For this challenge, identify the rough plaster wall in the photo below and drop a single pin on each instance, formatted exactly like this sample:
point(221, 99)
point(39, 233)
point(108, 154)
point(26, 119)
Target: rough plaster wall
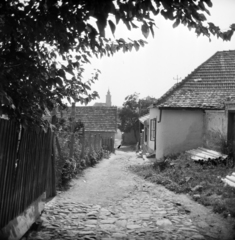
point(215, 133)
point(179, 130)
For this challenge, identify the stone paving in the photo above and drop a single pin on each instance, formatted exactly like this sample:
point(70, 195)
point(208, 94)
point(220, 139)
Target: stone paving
point(108, 202)
point(140, 215)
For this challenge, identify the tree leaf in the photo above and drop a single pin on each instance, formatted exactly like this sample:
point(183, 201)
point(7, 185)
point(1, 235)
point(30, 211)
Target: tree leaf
point(202, 17)
point(59, 81)
point(117, 16)
point(176, 23)
point(145, 30)
point(61, 73)
point(141, 42)
point(151, 29)
point(133, 25)
point(101, 26)
point(69, 99)
point(112, 26)
point(130, 46)
point(209, 3)
point(87, 87)
point(232, 26)
point(136, 45)
point(128, 25)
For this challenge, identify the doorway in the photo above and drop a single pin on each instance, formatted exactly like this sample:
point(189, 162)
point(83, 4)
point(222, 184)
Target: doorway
point(231, 131)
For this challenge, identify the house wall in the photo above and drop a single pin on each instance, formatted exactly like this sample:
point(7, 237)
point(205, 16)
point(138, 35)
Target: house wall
point(179, 130)
point(215, 131)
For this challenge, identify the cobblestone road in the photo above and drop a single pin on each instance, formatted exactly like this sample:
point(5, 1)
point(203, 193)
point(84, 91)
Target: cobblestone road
point(138, 211)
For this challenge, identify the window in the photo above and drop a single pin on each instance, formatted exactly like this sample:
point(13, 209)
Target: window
point(152, 129)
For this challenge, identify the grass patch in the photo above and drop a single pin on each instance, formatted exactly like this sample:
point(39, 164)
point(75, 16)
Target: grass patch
point(182, 175)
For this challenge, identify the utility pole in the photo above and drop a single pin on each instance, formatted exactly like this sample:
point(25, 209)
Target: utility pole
point(177, 79)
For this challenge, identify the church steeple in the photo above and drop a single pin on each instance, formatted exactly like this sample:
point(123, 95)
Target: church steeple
point(108, 99)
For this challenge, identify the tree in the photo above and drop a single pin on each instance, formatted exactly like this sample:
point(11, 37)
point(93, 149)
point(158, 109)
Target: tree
point(45, 44)
point(132, 109)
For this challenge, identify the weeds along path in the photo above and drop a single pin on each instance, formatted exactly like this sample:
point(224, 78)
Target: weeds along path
point(110, 202)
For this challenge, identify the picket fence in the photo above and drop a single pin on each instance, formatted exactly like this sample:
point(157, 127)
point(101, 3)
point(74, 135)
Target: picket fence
point(26, 168)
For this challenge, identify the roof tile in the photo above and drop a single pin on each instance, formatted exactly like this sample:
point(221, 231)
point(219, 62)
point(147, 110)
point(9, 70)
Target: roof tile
point(207, 87)
point(96, 118)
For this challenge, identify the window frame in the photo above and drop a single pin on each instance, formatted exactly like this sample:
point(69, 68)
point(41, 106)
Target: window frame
point(153, 129)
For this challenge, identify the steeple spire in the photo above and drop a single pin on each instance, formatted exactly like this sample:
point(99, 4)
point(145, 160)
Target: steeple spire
point(108, 99)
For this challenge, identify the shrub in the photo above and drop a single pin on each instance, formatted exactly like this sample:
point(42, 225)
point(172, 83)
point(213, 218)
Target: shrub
point(68, 171)
point(71, 167)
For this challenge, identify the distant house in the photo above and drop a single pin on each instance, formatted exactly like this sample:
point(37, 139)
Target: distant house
point(108, 102)
point(198, 111)
point(97, 120)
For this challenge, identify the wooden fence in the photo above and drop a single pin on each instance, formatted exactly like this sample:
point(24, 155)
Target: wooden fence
point(98, 142)
point(108, 144)
point(85, 141)
point(26, 168)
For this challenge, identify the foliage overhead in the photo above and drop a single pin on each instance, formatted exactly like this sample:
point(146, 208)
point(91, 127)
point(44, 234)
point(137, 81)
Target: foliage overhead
point(45, 44)
point(132, 109)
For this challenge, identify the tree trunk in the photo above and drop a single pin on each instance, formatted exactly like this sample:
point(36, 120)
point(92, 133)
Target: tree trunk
point(136, 134)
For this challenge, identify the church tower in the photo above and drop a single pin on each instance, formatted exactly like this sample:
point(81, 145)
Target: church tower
point(108, 99)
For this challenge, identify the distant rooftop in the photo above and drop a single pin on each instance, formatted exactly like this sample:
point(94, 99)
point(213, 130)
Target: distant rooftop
point(96, 118)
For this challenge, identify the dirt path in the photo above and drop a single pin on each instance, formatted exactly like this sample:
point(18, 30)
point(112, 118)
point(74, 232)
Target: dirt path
point(110, 202)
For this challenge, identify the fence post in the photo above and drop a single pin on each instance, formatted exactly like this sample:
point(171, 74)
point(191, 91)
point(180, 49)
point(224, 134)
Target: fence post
point(92, 142)
point(112, 145)
point(53, 173)
point(83, 142)
point(98, 142)
point(95, 142)
point(72, 131)
point(89, 142)
point(111, 148)
point(51, 192)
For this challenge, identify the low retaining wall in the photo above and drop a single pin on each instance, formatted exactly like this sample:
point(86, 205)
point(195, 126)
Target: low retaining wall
point(17, 227)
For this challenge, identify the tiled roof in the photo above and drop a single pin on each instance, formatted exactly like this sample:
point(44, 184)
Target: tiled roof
point(207, 87)
point(144, 118)
point(96, 118)
point(99, 104)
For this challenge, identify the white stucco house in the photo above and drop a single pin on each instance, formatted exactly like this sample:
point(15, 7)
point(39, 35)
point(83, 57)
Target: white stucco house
point(145, 133)
point(197, 112)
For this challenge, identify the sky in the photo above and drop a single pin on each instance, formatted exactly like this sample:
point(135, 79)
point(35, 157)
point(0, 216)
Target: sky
point(172, 54)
